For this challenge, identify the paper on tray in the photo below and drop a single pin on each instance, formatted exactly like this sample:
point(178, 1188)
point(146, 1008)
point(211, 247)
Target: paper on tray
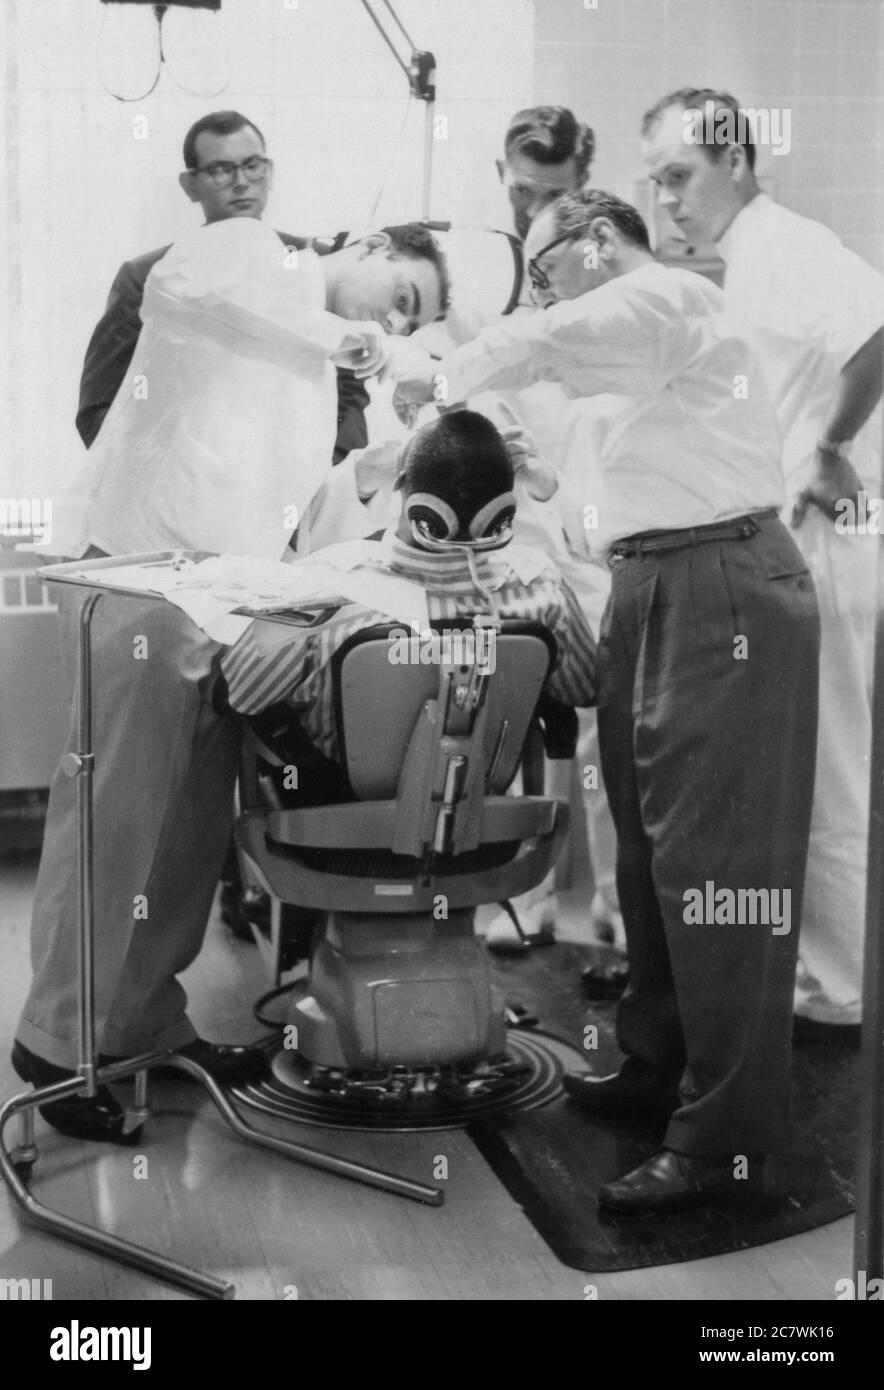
point(209, 591)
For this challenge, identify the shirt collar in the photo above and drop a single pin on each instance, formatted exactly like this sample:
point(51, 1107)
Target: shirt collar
point(397, 554)
point(743, 220)
point(495, 567)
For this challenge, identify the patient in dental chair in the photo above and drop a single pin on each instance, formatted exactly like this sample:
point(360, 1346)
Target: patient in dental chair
point(453, 539)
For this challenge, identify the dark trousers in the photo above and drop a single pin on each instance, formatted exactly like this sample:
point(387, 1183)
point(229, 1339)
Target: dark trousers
point(708, 669)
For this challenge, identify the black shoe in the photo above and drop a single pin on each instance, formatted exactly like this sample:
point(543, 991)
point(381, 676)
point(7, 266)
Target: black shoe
point(97, 1117)
point(809, 1032)
point(231, 1066)
point(672, 1182)
point(621, 1095)
point(605, 981)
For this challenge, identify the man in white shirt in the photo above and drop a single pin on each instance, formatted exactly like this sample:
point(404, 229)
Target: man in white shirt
point(707, 686)
point(813, 311)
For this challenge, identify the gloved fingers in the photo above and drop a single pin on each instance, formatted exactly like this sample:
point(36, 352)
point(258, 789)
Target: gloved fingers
point(540, 479)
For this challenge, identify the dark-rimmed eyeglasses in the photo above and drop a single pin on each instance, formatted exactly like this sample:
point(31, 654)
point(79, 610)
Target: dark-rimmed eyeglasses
point(223, 172)
point(538, 277)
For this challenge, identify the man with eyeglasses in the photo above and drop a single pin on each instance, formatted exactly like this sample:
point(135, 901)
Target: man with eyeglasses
point(707, 668)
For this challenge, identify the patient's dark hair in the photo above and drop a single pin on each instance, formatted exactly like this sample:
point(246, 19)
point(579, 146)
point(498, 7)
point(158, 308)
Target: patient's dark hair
point(461, 458)
point(216, 123)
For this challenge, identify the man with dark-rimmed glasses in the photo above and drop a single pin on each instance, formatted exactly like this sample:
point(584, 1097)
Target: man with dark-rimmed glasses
point(707, 672)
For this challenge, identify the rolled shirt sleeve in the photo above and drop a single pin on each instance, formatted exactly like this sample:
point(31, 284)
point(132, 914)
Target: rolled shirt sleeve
point(623, 338)
point(852, 320)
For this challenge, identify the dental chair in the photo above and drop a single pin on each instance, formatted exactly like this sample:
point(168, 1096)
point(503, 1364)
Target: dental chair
point(399, 983)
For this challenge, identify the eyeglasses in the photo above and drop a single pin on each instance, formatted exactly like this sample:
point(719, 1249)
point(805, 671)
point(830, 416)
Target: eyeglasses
point(538, 277)
point(223, 172)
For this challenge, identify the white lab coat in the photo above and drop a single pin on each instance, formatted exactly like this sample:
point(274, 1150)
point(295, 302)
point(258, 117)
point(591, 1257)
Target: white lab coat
point(807, 304)
point(224, 425)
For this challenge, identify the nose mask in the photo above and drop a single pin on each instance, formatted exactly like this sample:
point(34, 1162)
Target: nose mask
point(435, 525)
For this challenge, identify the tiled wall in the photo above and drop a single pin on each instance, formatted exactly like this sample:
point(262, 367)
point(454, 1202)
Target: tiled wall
point(823, 59)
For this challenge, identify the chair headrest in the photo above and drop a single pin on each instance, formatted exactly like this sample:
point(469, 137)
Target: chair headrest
point(383, 676)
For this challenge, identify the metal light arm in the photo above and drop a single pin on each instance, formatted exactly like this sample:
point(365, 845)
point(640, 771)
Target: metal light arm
point(420, 72)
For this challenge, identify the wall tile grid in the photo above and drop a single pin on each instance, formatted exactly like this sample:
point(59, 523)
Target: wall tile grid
point(824, 61)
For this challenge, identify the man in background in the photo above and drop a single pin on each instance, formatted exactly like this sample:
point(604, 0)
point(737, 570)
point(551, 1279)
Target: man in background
point(813, 311)
point(548, 152)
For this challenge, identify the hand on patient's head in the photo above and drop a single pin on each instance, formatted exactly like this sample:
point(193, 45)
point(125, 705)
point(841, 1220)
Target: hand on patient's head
point(539, 479)
point(377, 467)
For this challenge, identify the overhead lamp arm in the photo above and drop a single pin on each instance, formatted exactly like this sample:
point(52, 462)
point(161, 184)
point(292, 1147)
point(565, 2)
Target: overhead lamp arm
point(420, 73)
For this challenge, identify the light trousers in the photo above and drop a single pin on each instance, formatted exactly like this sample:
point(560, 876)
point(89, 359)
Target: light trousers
point(830, 952)
point(165, 768)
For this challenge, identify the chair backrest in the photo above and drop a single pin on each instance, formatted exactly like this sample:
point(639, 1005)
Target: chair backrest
point(379, 697)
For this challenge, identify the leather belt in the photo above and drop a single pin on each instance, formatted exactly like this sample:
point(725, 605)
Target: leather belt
point(652, 542)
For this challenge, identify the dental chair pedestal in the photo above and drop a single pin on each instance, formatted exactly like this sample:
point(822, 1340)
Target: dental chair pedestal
point(406, 991)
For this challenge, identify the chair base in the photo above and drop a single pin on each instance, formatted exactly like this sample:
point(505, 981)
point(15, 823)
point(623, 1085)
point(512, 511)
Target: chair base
point(404, 990)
